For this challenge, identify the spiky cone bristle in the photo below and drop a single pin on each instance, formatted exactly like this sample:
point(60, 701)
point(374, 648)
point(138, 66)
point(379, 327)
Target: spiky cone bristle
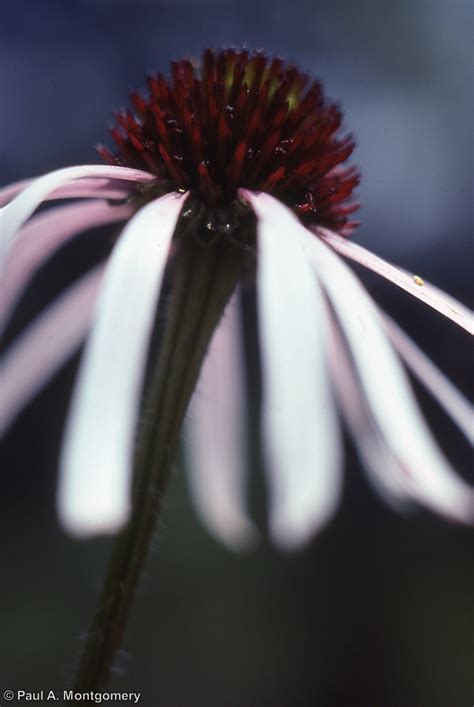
point(241, 120)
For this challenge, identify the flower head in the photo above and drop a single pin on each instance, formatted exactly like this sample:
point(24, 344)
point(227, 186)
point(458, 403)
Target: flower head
point(239, 120)
point(247, 150)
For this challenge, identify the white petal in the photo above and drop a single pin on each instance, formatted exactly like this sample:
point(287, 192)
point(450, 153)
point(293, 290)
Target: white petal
point(11, 190)
point(94, 187)
point(447, 395)
point(42, 236)
point(383, 468)
point(431, 295)
point(300, 430)
point(215, 434)
point(387, 390)
point(20, 209)
point(44, 346)
point(96, 460)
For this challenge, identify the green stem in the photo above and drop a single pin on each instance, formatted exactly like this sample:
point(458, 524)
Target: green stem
point(203, 281)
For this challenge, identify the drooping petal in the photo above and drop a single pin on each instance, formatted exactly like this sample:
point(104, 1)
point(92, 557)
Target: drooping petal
point(391, 479)
point(96, 460)
point(94, 187)
point(11, 190)
point(386, 387)
point(44, 346)
point(215, 438)
point(383, 469)
point(431, 295)
point(20, 209)
point(300, 430)
point(42, 236)
point(447, 395)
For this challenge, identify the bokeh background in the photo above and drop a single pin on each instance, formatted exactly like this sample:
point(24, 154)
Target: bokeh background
point(378, 611)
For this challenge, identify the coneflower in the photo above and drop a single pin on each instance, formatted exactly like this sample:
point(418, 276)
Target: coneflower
point(230, 171)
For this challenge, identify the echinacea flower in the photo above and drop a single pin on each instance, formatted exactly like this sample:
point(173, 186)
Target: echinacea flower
point(241, 161)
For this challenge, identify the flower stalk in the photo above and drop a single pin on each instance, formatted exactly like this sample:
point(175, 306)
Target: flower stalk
point(203, 281)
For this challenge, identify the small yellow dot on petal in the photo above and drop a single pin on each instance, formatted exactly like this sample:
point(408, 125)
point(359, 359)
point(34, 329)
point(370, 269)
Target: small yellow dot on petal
point(418, 281)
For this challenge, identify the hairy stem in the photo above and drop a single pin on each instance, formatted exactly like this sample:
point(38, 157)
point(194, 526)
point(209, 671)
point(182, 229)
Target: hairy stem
point(203, 281)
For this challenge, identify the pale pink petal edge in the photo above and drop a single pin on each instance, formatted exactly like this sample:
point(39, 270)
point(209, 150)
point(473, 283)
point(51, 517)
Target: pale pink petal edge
point(14, 214)
point(422, 290)
point(448, 396)
point(110, 178)
point(215, 438)
point(44, 346)
point(39, 239)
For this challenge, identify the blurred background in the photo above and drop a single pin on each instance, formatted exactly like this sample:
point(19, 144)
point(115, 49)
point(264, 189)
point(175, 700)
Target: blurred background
point(378, 611)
